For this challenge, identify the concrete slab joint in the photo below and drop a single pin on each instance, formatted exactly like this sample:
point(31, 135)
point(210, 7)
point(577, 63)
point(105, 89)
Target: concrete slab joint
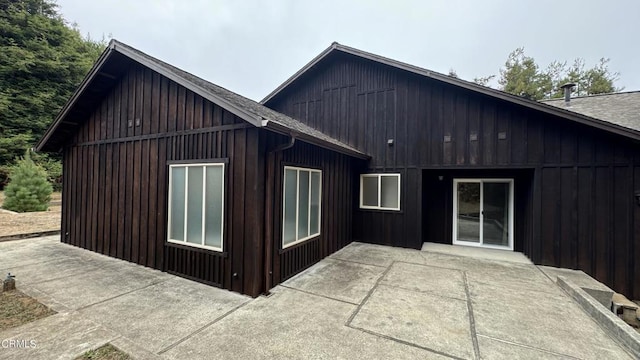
point(365, 301)
point(391, 308)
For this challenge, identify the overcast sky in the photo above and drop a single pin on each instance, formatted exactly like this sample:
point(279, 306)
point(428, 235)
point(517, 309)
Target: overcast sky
point(251, 47)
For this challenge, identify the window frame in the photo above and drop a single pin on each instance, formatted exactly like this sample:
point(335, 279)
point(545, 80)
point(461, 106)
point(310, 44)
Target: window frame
point(380, 176)
point(510, 208)
point(203, 165)
point(284, 184)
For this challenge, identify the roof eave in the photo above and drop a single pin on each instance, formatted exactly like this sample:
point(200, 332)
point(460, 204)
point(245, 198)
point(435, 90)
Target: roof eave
point(580, 118)
point(241, 113)
point(278, 128)
point(591, 121)
point(123, 49)
point(535, 105)
point(74, 98)
point(303, 70)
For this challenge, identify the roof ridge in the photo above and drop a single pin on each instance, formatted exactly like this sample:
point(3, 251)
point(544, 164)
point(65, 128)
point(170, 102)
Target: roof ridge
point(131, 48)
point(594, 95)
point(352, 50)
point(244, 108)
point(248, 105)
point(465, 84)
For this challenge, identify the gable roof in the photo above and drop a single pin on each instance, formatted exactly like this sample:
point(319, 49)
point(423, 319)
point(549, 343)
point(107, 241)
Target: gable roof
point(101, 78)
point(618, 108)
point(583, 118)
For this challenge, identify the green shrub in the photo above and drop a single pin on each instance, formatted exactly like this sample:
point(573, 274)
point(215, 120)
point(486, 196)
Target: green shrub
point(53, 166)
point(28, 188)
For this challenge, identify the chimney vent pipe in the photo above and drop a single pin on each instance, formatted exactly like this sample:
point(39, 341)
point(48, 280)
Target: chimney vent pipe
point(567, 92)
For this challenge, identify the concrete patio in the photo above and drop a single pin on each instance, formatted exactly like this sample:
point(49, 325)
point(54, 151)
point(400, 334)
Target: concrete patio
point(366, 301)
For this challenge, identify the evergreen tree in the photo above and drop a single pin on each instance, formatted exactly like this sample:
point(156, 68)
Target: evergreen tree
point(52, 166)
point(596, 80)
point(28, 188)
point(522, 76)
point(42, 60)
point(483, 80)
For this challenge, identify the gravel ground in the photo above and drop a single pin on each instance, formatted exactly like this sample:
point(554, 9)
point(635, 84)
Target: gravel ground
point(24, 223)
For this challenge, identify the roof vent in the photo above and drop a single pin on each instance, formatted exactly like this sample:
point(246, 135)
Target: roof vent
point(568, 87)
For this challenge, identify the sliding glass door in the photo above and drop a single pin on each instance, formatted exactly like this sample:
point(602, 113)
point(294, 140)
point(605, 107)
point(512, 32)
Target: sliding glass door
point(483, 213)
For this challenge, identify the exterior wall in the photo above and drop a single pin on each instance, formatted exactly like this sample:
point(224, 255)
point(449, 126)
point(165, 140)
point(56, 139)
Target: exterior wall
point(437, 203)
point(579, 210)
point(337, 194)
point(116, 178)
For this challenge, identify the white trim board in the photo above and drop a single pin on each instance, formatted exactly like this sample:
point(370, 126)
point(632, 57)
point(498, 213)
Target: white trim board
point(511, 220)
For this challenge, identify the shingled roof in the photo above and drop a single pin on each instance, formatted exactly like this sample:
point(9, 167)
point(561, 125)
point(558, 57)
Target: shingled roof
point(622, 109)
point(247, 109)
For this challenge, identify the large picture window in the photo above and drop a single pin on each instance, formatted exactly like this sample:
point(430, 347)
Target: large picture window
point(196, 205)
point(301, 205)
point(380, 191)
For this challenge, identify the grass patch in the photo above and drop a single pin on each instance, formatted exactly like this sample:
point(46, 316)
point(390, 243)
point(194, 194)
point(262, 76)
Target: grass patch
point(17, 308)
point(105, 352)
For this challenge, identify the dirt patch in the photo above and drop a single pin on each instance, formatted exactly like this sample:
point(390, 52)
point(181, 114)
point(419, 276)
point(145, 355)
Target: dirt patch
point(25, 223)
point(105, 352)
point(17, 308)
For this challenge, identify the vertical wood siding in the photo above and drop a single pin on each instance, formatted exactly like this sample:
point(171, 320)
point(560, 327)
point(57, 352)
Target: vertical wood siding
point(583, 211)
point(116, 177)
point(338, 191)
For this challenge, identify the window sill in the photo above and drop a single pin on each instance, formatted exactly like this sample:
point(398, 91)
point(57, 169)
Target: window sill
point(194, 247)
point(299, 243)
point(379, 208)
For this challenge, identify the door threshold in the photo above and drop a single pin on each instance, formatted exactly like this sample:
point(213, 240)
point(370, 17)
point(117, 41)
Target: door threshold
point(477, 252)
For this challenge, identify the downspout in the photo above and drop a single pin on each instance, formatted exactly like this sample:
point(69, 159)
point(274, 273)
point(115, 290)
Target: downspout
point(269, 215)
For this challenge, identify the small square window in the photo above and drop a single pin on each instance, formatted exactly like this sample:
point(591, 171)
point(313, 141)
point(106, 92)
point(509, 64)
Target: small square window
point(380, 191)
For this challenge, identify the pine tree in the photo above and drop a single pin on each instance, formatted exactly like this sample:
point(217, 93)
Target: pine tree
point(522, 76)
point(28, 189)
point(42, 61)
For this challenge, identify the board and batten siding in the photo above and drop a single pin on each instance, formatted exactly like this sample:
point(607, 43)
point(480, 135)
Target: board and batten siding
point(581, 211)
point(338, 191)
point(116, 177)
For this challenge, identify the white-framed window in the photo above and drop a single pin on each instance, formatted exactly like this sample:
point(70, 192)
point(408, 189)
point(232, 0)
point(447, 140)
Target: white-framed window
point(380, 191)
point(196, 205)
point(483, 213)
point(301, 205)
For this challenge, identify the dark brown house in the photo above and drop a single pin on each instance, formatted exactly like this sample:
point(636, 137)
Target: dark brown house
point(166, 170)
